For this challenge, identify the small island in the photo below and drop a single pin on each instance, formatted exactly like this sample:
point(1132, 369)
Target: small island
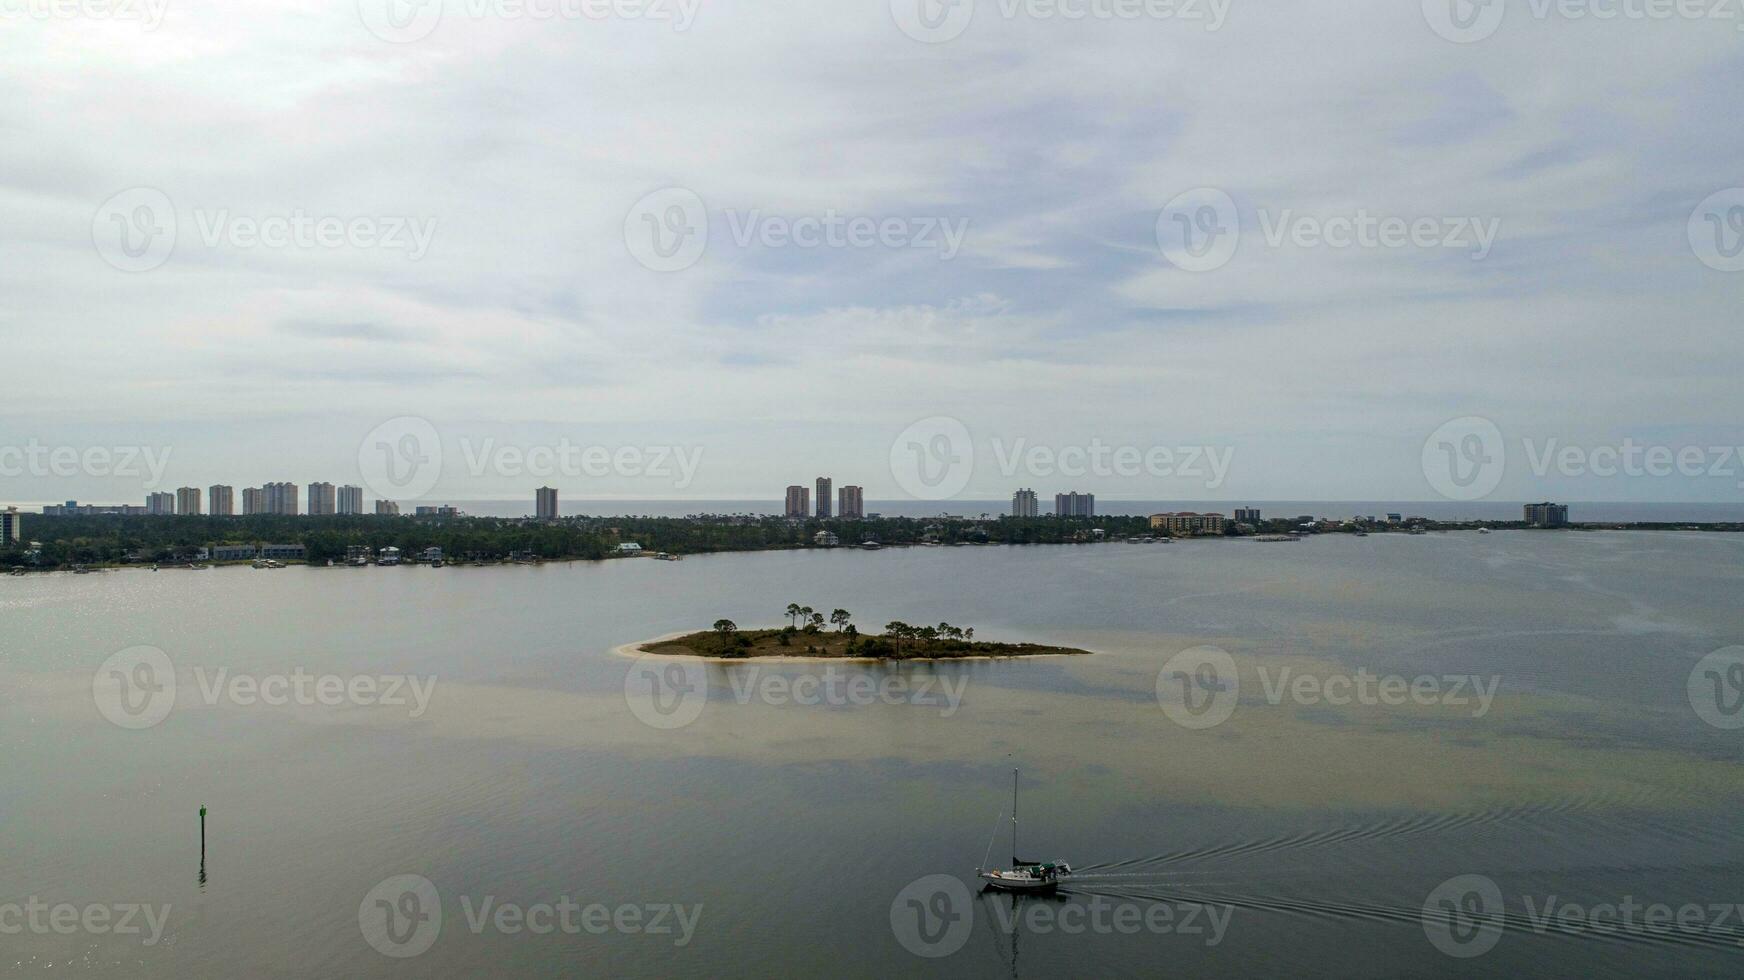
point(805, 636)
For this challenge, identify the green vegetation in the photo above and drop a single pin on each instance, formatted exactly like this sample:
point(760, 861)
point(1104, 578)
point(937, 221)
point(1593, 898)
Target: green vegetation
point(899, 641)
point(100, 540)
point(924, 643)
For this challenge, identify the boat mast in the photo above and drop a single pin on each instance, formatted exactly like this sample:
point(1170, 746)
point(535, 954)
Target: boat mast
point(1014, 818)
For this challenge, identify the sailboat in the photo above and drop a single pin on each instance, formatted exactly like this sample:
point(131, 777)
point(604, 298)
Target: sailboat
point(1022, 876)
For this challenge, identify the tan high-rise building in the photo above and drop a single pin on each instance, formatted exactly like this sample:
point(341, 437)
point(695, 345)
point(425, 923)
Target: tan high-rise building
point(323, 499)
point(350, 500)
point(823, 496)
point(188, 500)
point(253, 500)
point(221, 500)
point(851, 503)
point(545, 503)
point(798, 502)
point(387, 508)
point(281, 498)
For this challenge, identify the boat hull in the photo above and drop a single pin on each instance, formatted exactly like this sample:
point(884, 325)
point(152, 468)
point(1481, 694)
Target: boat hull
point(1018, 883)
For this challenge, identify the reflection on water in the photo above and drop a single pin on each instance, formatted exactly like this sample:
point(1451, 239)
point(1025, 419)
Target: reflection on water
point(1324, 830)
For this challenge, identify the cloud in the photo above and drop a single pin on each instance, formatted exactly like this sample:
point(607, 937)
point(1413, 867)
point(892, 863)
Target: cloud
point(525, 143)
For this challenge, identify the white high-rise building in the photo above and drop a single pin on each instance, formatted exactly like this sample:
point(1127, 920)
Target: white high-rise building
point(1075, 504)
point(1024, 503)
point(161, 503)
point(188, 500)
point(281, 498)
point(851, 503)
point(350, 500)
point(323, 499)
point(545, 503)
point(9, 525)
point(823, 496)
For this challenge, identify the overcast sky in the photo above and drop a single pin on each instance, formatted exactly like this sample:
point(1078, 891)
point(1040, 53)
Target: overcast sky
point(789, 239)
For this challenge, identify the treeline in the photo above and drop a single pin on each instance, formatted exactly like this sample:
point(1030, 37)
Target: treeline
point(113, 539)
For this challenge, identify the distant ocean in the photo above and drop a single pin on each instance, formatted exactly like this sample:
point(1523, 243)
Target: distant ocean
point(1487, 510)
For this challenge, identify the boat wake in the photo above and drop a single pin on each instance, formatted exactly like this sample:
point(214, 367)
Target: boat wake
point(1575, 816)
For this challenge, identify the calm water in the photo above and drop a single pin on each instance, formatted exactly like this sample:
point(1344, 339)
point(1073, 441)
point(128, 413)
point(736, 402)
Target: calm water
point(1313, 833)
